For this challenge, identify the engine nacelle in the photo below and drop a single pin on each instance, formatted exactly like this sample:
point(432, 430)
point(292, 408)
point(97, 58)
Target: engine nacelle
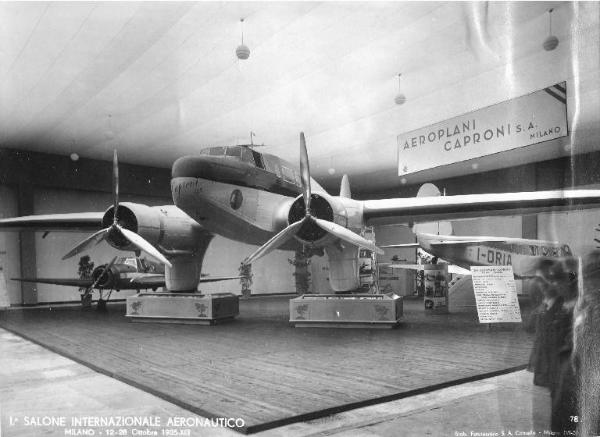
point(103, 277)
point(325, 207)
point(165, 227)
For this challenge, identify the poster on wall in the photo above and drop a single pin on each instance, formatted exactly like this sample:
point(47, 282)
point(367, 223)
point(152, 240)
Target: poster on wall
point(526, 120)
point(495, 294)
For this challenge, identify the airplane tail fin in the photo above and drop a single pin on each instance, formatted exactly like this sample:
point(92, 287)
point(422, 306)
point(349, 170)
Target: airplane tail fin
point(436, 228)
point(345, 188)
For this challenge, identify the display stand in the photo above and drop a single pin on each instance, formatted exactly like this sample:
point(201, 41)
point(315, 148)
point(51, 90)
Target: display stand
point(346, 311)
point(187, 308)
point(436, 288)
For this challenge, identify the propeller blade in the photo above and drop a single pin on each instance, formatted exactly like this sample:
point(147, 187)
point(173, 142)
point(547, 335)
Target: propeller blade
point(93, 239)
point(275, 242)
point(346, 235)
point(142, 244)
point(106, 267)
point(115, 185)
point(304, 173)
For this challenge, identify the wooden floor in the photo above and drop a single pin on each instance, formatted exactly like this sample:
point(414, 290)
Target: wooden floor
point(268, 373)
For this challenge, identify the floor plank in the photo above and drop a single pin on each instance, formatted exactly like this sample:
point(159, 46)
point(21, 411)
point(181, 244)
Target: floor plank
point(261, 369)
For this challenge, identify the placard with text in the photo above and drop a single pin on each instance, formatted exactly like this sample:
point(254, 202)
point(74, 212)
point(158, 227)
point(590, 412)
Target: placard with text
point(495, 294)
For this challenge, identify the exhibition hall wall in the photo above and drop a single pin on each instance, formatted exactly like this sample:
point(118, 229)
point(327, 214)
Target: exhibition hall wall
point(9, 245)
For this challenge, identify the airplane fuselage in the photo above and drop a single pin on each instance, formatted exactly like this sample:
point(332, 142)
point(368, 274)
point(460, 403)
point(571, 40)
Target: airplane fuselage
point(522, 254)
point(249, 197)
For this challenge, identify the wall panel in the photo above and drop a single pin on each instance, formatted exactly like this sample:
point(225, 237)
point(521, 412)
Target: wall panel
point(9, 246)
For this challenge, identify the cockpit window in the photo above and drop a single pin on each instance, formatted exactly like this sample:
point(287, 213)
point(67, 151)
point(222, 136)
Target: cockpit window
point(271, 166)
point(288, 174)
point(247, 155)
point(131, 262)
point(233, 151)
point(217, 151)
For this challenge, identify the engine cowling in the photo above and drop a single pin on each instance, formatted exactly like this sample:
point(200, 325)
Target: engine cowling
point(322, 206)
point(165, 227)
point(103, 277)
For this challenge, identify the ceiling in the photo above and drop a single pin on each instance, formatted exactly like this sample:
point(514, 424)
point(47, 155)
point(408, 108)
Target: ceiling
point(158, 80)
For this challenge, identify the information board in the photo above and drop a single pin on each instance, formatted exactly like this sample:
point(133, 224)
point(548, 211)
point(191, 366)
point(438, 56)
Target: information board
point(495, 294)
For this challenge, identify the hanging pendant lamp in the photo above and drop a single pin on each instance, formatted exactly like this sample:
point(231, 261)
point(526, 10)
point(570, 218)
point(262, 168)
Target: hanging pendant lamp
point(551, 42)
point(400, 98)
point(242, 51)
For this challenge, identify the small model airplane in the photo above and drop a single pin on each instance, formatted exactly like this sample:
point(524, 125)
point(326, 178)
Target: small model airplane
point(260, 199)
point(121, 273)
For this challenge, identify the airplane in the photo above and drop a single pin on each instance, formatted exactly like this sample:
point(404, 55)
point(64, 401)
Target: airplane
point(260, 199)
point(127, 273)
point(121, 273)
point(465, 251)
point(462, 252)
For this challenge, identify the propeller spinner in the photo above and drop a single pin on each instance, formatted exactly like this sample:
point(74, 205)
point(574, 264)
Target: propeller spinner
point(294, 228)
point(116, 231)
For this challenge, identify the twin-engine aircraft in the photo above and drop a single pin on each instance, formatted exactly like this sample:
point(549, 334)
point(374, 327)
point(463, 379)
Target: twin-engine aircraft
point(260, 199)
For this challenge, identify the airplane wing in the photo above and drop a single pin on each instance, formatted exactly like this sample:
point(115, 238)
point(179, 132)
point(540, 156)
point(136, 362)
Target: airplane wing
point(148, 280)
point(158, 280)
point(454, 269)
point(468, 242)
point(386, 211)
point(74, 222)
point(401, 246)
point(218, 278)
point(73, 282)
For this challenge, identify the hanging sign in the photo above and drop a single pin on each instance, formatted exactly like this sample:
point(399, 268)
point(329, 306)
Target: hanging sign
point(534, 118)
point(495, 294)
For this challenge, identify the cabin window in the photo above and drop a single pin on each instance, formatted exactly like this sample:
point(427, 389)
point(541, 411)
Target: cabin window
point(288, 174)
point(297, 178)
point(130, 262)
point(272, 166)
point(258, 159)
point(217, 151)
point(233, 151)
point(247, 156)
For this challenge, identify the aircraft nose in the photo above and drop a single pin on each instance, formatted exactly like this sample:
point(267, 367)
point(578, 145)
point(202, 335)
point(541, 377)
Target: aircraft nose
point(193, 167)
point(214, 168)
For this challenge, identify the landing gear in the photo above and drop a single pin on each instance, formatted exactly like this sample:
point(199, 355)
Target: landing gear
point(86, 301)
point(101, 305)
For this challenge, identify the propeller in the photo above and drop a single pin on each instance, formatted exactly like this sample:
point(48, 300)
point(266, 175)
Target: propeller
point(117, 230)
point(107, 267)
point(333, 228)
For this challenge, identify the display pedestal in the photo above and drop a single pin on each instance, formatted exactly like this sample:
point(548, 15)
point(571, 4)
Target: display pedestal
point(193, 308)
point(346, 311)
